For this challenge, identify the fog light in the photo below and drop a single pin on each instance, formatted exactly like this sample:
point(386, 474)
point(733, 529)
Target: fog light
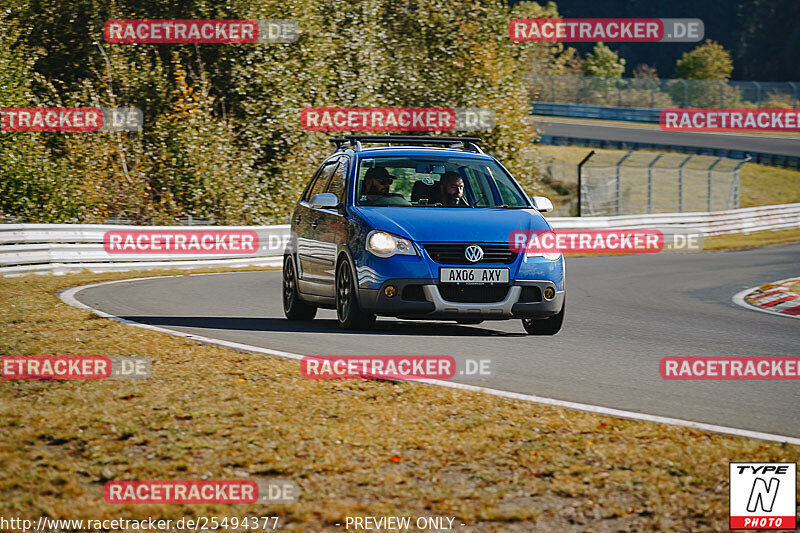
point(390, 290)
point(549, 293)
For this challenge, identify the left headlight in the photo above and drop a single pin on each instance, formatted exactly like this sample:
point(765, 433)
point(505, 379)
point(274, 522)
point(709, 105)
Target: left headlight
point(383, 244)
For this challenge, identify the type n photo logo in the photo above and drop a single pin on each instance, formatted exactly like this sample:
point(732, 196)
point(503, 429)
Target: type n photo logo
point(763, 495)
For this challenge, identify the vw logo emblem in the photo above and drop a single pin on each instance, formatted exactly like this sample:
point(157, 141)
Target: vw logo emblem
point(473, 253)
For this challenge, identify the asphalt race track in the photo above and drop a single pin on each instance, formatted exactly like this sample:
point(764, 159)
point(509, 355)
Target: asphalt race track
point(624, 314)
point(770, 144)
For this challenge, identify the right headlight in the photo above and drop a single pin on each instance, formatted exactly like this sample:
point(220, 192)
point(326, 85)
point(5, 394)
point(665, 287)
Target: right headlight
point(383, 244)
point(537, 252)
point(550, 256)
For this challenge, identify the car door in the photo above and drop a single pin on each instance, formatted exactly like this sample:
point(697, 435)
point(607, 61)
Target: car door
point(332, 225)
point(310, 255)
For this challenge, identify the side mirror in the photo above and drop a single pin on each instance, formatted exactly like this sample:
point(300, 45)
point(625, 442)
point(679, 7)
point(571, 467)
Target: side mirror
point(542, 204)
point(324, 200)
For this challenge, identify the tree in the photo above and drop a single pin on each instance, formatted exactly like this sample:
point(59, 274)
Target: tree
point(222, 135)
point(709, 61)
point(606, 67)
point(643, 71)
point(603, 62)
point(707, 69)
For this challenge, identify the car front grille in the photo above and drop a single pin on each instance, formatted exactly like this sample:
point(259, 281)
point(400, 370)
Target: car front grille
point(473, 294)
point(453, 254)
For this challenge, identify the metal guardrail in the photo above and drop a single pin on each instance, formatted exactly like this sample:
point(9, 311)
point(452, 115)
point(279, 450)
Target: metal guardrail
point(665, 92)
point(646, 115)
point(597, 112)
point(746, 220)
point(65, 248)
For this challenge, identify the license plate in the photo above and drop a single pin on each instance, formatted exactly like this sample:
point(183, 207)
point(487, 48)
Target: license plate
point(473, 275)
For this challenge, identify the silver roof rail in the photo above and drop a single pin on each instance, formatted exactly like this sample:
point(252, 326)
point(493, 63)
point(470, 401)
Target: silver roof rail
point(466, 143)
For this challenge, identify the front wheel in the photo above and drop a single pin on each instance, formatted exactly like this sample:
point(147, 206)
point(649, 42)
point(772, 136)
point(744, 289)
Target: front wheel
point(547, 326)
point(348, 313)
point(293, 307)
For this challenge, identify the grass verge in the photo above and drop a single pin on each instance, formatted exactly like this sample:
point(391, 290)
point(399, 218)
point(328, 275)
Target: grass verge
point(355, 448)
point(736, 241)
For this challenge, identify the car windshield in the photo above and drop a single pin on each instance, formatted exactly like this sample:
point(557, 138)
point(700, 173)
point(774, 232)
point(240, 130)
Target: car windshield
point(436, 182)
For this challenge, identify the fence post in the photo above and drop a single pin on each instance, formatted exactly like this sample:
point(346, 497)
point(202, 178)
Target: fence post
point(617, 191)
point(685, 93)
point(736, 182)
point(680, 183)
point(650, 183)
point(710, 169)
point(552, 88)
point(721, 93)
point(585, 89)
point(653, 86)
point(794, 93)
point(758, 94)
point(580, 179)
point(617, 184)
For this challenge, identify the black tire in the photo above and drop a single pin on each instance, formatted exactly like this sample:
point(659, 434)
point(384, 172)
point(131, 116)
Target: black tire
point(293, 307)
point(547, 326)
point(469, 322)
point(348, 313)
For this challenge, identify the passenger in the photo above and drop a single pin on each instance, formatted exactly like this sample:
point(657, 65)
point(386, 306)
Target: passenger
point(377, 180)
point(451, 190)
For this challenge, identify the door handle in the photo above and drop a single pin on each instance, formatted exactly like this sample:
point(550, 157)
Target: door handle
point(314, 224)
point(297, 220)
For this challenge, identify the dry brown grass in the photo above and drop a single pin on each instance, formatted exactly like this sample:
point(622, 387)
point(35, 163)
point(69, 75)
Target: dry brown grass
point(496, 464)
point(751, 240)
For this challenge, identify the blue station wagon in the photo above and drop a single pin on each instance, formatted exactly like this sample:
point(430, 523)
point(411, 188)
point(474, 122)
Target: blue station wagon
point(419, 229)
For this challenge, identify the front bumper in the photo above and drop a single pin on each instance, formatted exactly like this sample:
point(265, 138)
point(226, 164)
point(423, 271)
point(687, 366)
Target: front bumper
point(422, 299)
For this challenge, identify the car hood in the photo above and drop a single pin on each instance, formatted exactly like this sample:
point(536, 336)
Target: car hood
point(443, 224)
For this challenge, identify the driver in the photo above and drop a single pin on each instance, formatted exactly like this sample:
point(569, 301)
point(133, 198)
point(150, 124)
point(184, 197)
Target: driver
point(451, 190)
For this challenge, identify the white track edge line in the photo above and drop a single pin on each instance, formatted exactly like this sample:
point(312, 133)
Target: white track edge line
point(739, 300)
point(68, 297)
